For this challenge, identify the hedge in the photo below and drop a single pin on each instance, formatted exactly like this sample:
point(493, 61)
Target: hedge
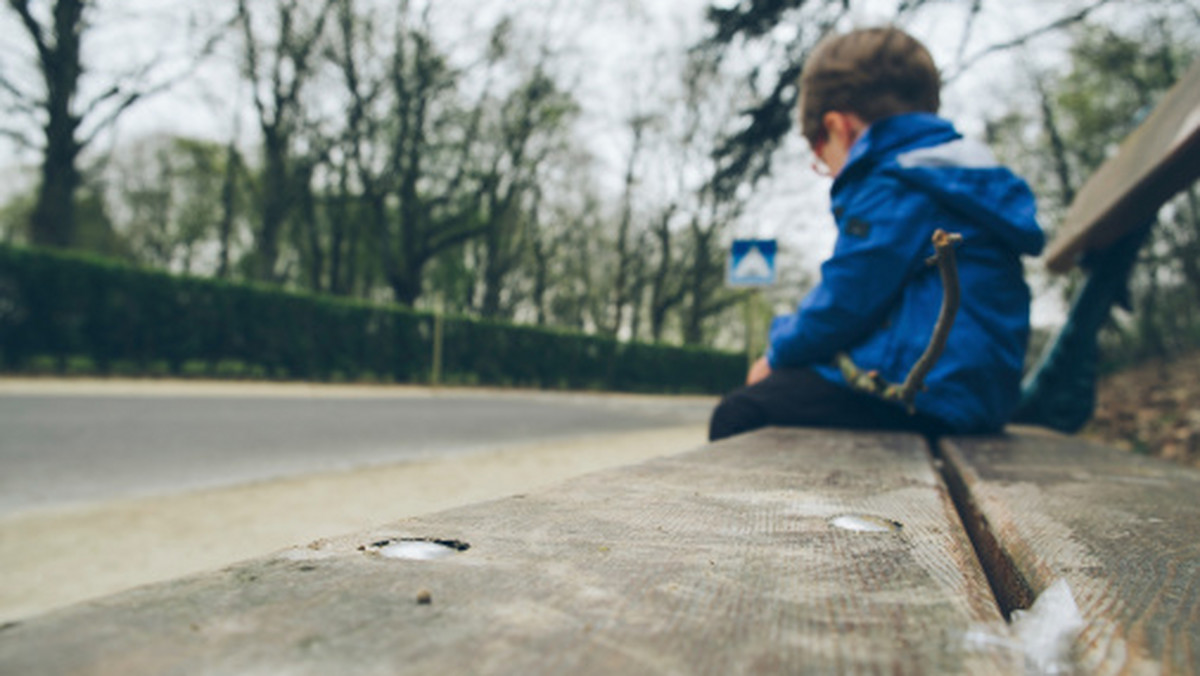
point(57, 308)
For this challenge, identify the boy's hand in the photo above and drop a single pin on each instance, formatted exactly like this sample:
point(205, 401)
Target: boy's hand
point(759, 370)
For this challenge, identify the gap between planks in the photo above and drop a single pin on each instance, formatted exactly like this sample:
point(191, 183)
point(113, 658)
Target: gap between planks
point(1009, 586)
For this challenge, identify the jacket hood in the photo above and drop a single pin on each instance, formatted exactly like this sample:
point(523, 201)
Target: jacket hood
point(926, 152)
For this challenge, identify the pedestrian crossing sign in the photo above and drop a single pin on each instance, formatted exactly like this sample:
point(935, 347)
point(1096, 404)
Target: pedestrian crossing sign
point(751, 262)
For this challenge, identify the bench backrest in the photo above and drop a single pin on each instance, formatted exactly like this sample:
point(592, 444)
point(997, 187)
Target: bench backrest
point(1160, 158)
point(1109, 220)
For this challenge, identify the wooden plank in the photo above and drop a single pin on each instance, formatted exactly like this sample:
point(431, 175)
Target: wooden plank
point(1122, 530)
point(1156, 161)
point(731, 559)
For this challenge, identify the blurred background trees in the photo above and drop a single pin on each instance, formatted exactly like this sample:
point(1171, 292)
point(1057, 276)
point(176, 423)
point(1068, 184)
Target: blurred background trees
point(450, 154)
point(1076, 118)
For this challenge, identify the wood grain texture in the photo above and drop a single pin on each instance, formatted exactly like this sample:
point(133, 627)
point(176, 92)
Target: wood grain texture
point(1122, 530)
point(1156, 161)
point(720, 561)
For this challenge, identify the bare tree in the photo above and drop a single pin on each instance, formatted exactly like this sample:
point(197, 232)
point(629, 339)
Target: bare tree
point(68, 124)
point(622, 292)
point(693, 230)
point(667, 290)
point(707, 296)
point(416, 148)
point(364, 179)
point(567, 247)
point(166, 193)
point(229, 204)
point(527, 134)
point(277, 80)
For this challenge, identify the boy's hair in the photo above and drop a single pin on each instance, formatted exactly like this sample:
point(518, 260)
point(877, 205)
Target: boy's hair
point(873, 72)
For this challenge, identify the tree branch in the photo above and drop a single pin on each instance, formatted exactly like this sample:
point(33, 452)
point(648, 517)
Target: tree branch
point(968, 29)
point(18, 95)
point(129, 98)
point(714, 306)
point(446, 239)
point(471, 136)
point(251, 55)
point(301, 52)
point(1060, 23)
point(33, 27)
point(23, 108)
point(126, 102)
point(870, 381)
point(21, 139)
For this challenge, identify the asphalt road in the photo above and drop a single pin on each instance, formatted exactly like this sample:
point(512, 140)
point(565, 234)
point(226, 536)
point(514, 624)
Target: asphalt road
point(61, 448)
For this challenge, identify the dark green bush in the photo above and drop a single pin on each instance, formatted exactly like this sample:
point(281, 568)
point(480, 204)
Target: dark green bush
point(70, 308)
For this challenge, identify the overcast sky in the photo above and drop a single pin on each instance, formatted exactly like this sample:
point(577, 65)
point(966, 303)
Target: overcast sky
point(612, 44)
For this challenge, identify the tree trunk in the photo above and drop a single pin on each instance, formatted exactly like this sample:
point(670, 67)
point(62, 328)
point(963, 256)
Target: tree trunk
point(698, 288)
point(493, 273)
point(228, 194)
point(275, 205)
point(621, 282)
point(663, 298)
point(541, 279)
point(308, 219)
point(337, 225)
point(53, 221)
point(1058, 147)
point(406, 289)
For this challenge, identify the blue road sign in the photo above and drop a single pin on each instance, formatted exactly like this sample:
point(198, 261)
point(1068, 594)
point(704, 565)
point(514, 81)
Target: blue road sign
point(751, 262)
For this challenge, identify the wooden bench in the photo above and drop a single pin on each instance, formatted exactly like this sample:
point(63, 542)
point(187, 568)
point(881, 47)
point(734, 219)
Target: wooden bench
point(1103, 230)
point(781, 551)
point(726, 560)
point(1121, 530)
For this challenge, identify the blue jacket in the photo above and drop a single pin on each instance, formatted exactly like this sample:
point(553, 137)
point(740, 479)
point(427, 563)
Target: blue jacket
point(878, 300)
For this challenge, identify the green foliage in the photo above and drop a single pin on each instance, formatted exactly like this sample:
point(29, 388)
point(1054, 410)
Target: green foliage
point(15, 215)
point(749, 20)
point(1076, 120)
point(94, 229)
point(746, 154)
point(79, 311)
point(1114, 81)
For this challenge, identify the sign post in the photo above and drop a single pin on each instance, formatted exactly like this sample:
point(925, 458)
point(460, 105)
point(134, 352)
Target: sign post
point(439, 310)
point(751, 264)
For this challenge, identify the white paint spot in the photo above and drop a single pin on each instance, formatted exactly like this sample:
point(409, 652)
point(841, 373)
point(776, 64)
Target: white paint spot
point(865, 524)
point(416, 550)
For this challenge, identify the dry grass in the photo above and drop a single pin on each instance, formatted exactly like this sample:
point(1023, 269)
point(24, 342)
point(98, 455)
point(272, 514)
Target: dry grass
point(1152, 409)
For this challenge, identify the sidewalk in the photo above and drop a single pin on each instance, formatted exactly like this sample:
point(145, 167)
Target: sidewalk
point(53, 558)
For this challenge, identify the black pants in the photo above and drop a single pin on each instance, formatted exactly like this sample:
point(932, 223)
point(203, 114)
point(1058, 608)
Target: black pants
point(801, 398)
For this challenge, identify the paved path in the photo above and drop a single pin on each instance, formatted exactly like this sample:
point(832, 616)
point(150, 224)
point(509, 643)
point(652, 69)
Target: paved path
point(69, 443)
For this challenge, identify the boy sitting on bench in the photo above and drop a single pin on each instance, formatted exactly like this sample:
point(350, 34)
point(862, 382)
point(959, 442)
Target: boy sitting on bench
point(868, 104)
